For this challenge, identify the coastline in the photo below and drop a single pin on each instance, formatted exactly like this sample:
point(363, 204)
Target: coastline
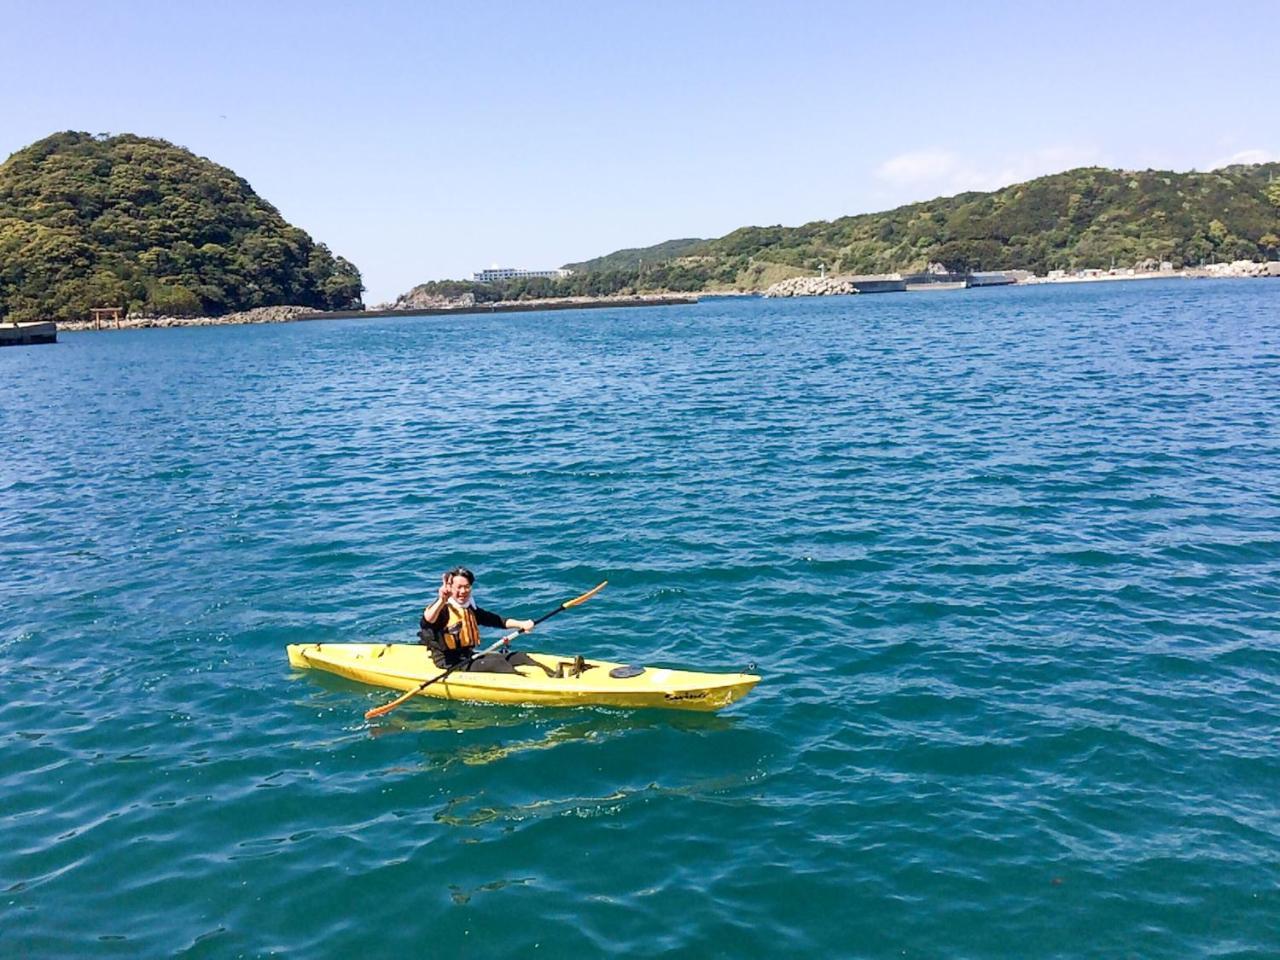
point(291, 314)
point(843, 284)
point(1239, 270)
point(812, 286)
point(515, 306)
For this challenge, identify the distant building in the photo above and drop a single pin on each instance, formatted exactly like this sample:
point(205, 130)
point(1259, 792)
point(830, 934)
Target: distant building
point(494, 274)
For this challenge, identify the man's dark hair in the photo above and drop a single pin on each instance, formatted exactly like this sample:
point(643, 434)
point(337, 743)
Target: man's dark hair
point(461, 572)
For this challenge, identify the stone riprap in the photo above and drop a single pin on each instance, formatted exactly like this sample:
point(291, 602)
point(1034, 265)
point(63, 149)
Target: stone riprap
point(1242, 268)
point(420, 300)
point(282, 314)
point(812, 287)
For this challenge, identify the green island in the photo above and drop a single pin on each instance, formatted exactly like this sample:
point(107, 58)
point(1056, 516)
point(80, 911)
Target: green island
point(149, 227)
point(141, 224)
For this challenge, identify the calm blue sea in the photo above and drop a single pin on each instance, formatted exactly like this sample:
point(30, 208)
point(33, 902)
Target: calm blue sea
point(1008, 561)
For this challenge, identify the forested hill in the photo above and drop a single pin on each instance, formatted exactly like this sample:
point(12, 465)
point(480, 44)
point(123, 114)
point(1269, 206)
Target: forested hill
point(140, 223)
point(635, 257)
point(1090, 217)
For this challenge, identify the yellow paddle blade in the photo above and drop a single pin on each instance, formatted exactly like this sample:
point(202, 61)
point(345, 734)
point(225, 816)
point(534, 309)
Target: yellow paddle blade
point(585, 597)
point(388, 707)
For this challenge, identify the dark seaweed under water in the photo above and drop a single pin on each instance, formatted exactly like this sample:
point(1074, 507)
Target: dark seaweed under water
point(1008, 561)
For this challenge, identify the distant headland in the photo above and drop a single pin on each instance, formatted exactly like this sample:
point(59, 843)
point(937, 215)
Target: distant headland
point(1077, 226)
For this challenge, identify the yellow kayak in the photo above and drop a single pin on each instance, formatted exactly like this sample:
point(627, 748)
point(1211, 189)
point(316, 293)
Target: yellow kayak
point(404, 666)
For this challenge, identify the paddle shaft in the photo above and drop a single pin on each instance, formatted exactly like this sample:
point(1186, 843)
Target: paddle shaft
point(388, 707)
point(547, 616)
point(515, 633)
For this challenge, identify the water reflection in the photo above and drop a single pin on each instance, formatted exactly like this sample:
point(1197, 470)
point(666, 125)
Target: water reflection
point(460, 895)
point(573, 725)
point(457, 812)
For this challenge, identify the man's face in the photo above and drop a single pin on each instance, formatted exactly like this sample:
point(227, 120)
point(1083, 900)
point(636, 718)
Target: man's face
point(460, 588)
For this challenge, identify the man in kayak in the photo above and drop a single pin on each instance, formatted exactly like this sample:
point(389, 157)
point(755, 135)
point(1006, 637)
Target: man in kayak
point(450, 628)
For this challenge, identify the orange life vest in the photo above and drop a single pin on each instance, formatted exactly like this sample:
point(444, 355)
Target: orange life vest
point(461, 632)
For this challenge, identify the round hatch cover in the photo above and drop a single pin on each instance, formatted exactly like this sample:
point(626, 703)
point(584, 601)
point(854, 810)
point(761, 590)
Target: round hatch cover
point(621, 673)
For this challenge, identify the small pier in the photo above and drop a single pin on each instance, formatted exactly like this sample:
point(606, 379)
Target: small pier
point(20, 334)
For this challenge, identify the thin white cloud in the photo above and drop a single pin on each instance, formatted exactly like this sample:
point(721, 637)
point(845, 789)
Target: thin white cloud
point(1245, 156)
point(918, 166)
point(936, 172)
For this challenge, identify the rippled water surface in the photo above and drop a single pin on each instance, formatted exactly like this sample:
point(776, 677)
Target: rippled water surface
point(1008, 561)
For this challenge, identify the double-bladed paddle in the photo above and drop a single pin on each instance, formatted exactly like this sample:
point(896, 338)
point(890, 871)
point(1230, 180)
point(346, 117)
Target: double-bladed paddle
point(388, 707)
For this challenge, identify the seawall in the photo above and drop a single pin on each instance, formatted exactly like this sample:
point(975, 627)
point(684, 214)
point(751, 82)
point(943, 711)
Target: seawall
point(521, 306)
point(18, 334)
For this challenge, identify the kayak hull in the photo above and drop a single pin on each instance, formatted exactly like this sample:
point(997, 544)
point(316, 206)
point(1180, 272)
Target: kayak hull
point(405, 666)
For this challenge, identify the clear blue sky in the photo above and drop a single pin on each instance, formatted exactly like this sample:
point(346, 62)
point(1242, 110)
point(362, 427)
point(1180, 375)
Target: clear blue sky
point(424, 141)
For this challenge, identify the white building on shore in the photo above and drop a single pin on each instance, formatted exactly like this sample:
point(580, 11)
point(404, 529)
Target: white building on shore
point(494, 274)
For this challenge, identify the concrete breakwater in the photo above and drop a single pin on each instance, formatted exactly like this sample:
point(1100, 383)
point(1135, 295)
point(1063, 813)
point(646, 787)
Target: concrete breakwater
point(289, 314)
point(837, 285)
point(18, 334)
point(518, 306)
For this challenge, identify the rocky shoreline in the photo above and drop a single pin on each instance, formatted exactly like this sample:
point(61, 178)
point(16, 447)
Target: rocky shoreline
point(284, 314)
point(812, 287)
point(1238, 270)
point(845, 284)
